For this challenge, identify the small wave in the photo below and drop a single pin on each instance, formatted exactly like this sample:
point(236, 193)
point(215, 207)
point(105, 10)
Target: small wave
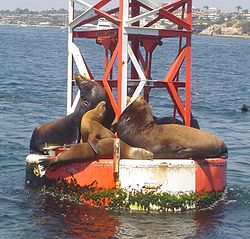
point(239, 195)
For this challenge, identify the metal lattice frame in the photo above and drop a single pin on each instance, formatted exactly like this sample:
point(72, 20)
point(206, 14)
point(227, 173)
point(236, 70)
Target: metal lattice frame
point(122, 45)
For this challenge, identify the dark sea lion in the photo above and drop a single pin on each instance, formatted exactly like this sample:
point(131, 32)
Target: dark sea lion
point(170, 120)
point(92, 93)
point(83, 152)
point(67, 129)
point(137, 128)
point(244, 108)
point(92, 128)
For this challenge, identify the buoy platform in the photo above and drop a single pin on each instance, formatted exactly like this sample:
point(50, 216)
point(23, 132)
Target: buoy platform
point(137, 29)
point(144, 177)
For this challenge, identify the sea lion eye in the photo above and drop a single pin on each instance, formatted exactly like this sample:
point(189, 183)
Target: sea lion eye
point(84, 103)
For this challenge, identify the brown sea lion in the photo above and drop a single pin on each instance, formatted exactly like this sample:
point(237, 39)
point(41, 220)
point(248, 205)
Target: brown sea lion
point(92, 129)
point(83, 152)
point(137, 128)
point(67, 129)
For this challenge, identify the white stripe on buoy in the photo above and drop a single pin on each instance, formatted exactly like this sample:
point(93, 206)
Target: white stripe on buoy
point(164, 175)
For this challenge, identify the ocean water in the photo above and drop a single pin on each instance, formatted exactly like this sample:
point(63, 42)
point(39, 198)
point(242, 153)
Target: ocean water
point(33, 90)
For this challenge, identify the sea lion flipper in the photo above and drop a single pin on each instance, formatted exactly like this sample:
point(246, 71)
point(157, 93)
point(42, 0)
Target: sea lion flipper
point(188, 153)
point(94, 146)
point(44, 164)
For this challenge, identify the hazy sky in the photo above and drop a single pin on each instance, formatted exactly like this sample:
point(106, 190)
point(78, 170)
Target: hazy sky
point(224, 5)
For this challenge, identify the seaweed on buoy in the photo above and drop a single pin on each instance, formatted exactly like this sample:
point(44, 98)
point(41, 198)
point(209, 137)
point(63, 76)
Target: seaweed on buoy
point(133, 200)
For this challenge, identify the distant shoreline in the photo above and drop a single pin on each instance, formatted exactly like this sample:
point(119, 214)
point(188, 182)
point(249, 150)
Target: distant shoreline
point(224, 35)
point(65, 27)
point(38, 26)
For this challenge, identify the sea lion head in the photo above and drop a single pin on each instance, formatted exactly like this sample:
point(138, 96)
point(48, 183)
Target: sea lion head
point(91, 94)
point(137, 115)
point(100, 111)
point(140, 109)
point(244, 108)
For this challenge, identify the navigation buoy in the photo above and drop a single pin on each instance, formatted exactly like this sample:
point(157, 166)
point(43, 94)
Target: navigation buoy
point(129, 43)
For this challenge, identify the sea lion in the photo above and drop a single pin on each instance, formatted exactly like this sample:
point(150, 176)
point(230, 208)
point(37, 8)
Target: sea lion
point(83, 152)
point(66, 130)
point(137, 128)
point(244, 108)
point(170, 120)
point(92, 129)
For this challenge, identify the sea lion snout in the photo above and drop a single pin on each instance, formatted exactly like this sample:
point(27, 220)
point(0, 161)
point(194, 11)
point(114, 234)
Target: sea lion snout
point(78, 78)
point(102, 103)
point(140, 99)
point(101, 107)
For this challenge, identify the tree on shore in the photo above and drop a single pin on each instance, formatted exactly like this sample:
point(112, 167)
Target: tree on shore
point(239, 8)
point(21, 11)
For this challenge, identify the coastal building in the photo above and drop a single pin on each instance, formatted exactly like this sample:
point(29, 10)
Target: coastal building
point(207, 13)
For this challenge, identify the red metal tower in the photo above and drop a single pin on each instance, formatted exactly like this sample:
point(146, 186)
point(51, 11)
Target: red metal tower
point(124, 45)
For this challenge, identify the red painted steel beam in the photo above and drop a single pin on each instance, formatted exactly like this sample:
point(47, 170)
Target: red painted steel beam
point(140, 57)
point(120, 62)
point(170, 7)
point(95, 33)
point(176, 98)
point(166, 12)
point(188, 83)
point(144, 6)
point(163, 33)
point(107, 16)
point(101, 3)
point(189, 13)
point(95, 18)
point(180, 47)
point(173, 71)
point(100, 13)
point(176, 66)
point(153, 21)
point(175, 5)
point(105, 80)
point(135, 44)
point(171, 17)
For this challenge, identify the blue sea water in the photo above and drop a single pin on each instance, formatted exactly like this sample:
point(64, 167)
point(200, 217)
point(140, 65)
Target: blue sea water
point(33, 68)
